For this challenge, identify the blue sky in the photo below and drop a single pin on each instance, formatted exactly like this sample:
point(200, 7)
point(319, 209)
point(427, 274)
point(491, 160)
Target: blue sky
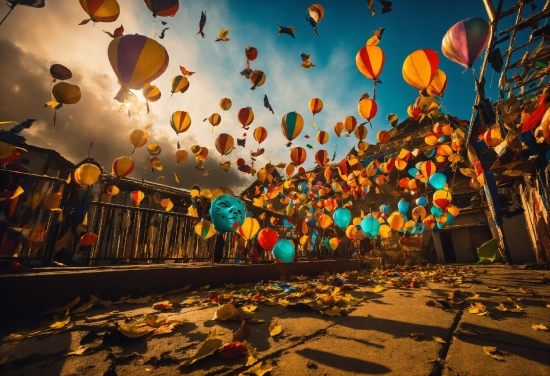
point(53, 36)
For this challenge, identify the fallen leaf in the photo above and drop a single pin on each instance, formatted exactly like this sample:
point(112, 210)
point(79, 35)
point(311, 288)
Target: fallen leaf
point(539, 327)
point(502, 308)
point(439, 339)
point(79, 351)
point(378, 288)
point(242, 332)
point(164, 329)
point(232, 350)
point(415, 336)
point(548, 306)
point(523, 291)
point(83, 308)
point(190, 301)
point(259, 369)
point(478, 309)
point(249, 308)
point(476, 296)
point(60, 324)
point(15, 337)
point(208, 347)
point(333, 311)
point(162, 306)
point(275, 329)
point(133, 329)
point(493, 353)
point(252, 354)
point(226, 312)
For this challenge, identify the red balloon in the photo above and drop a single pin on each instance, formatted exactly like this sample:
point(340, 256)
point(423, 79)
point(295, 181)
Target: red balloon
point(88, 238)
point(267, 238)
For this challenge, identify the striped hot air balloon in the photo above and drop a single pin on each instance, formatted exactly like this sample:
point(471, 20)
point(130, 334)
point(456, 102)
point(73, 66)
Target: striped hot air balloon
point(322, 137)
point(257, 78)
point(370, 61)
point(321, 157)
point(214, 119)
point(360, 132)
point(298, 155)
point(123, 166)
point(392, 119)
point(316, 11)
point(100, 10)
point(439, 84)
point(292, 125)
point(420, 67)
point(260, 134)
point(350, 122)
point(249, 228)
point(464, 42)
point(339, 128)
point(137, 197)
point(427, 169)
point(224, 143)
point(383, 137)
point(180, 121)
point(367, 108)
point(362, 145)
point(205, 229)
point(163, 8)
point(245, 116)
point(225, 104)
point(137, 60)
point(180, 84)
point(138, 138)
point(151, 93)
point(315, 105)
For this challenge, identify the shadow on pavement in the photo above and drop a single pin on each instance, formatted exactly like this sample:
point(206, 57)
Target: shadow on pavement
point(344, 363)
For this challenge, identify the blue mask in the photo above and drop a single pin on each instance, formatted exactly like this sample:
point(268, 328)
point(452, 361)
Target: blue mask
point(227, 213)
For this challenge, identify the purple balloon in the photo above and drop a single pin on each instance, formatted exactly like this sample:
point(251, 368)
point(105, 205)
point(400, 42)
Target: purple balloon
point(464, 42)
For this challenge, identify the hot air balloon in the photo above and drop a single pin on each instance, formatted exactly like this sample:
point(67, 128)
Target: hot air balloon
point(321, 157)
point(60, 72)
point(154, 149)
point(442, 198)
point(362, 145)
point(291, 126)
point(180, 84)
point(224, 143)
point(87, 174)
point(493, 136)
point(383, 137)
point(339, 128)
point(260, 134)
point(367, 108)
point(370, 61)
point(245, 116)
point(180, 156)
point(151, 93)
point(350, 122)
point(66, 93)
point(180, 121)
point(162, 8)
point(251, 53)
point(464, 42)
point(205, 229)
point(136, 61)
point(138, 138)
point(315, 106)
point(100, 10)
point(438, 85)
point(257, 78)
point(123, 166)
point(225, 104)
point(113, 190)
point(322, 137)
point(393, 119)
point(360, 132)
point(298, 155)
point(316, 11)
point(420, 67)
point(249, 228)
point(155, 163)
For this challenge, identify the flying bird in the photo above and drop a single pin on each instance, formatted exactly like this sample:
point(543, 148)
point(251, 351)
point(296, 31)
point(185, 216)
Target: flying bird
point(119, 31)
point(161, 36)
point(268, 105)
point(202, 22)
point(313, 24)
point(241, 142)
point(223, 35)
point(258, 152)
point(246, 73)
point(185, 72)
point(306, 61)
point(287, 30)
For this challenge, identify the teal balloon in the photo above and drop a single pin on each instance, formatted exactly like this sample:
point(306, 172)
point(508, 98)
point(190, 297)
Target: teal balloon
point(385, 209)
point(403, 206)
point(413, 171)
point(436, 212)
point(227, 213)
point(284, 250)
point(438, 180)
point(342, 217)
point(418, 228)
point(422, 201)
point(370, 226)
point(440, 225)
point(450, 219)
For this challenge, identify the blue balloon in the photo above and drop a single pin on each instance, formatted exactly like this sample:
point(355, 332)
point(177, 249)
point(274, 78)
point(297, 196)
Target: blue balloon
point(227, 213)
point(385, 209)
point(370, 226)
point(436, 212)
point(342, 217)
point(284, 250)
point(438, 180)
point(413, 171)
point(430, 153)
point(418, 228)
point(440, 225)
point(442, 139)
point(403, 206)
point(422, 201)
point(450, 219)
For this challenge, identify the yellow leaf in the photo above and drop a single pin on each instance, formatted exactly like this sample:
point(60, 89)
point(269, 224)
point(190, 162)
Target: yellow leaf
point(439, 339)
point(333, 311)
point(15, 337)
point(502, 308)
point(190, 301)
point(284, 302)
point(252, 354)
point(83, 308)
point(78, 351)
point(60, 324)
point(415, 336)
point(539, 327)
point(226, 312)
point(164, 329)
point(493, 353)
point(52, 104)
point(259, 369)
point(275, 329)
point(153, 320)
point(208, 347)
point(378, 288)
point(249, 308)
point(133, 330)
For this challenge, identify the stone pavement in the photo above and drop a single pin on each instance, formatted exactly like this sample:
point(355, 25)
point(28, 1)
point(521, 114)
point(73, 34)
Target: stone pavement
point(396, 329)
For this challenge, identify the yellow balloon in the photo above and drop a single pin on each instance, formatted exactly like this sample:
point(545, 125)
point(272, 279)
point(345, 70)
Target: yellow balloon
point(385, 231)
point(396, 221)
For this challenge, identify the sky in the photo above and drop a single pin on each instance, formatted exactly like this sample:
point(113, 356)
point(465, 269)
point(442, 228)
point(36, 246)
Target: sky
point(31, 40)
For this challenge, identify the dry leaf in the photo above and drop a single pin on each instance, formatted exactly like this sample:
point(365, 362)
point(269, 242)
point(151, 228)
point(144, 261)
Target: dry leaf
point(439, 339)
point(16, 337)
point(523, 291)
point(79, 351)
point(60, 324)
point(259, 369)
point(133, 329)
point(249, 308)
point(476, 296)
point(232, 350)
point(478, 309)
point(226, 312)
point(242, 332)
point(415, 336)
point(164, 329)
point(252, 354)
point(83, 308)
point(333, 311)
point(162, 306)
point(378, 288)
point(190, 301)
point(493, 353)
point(539, 327)
point(208, 347)
point(502, 308)
point(275, 329)
point(254, 320)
